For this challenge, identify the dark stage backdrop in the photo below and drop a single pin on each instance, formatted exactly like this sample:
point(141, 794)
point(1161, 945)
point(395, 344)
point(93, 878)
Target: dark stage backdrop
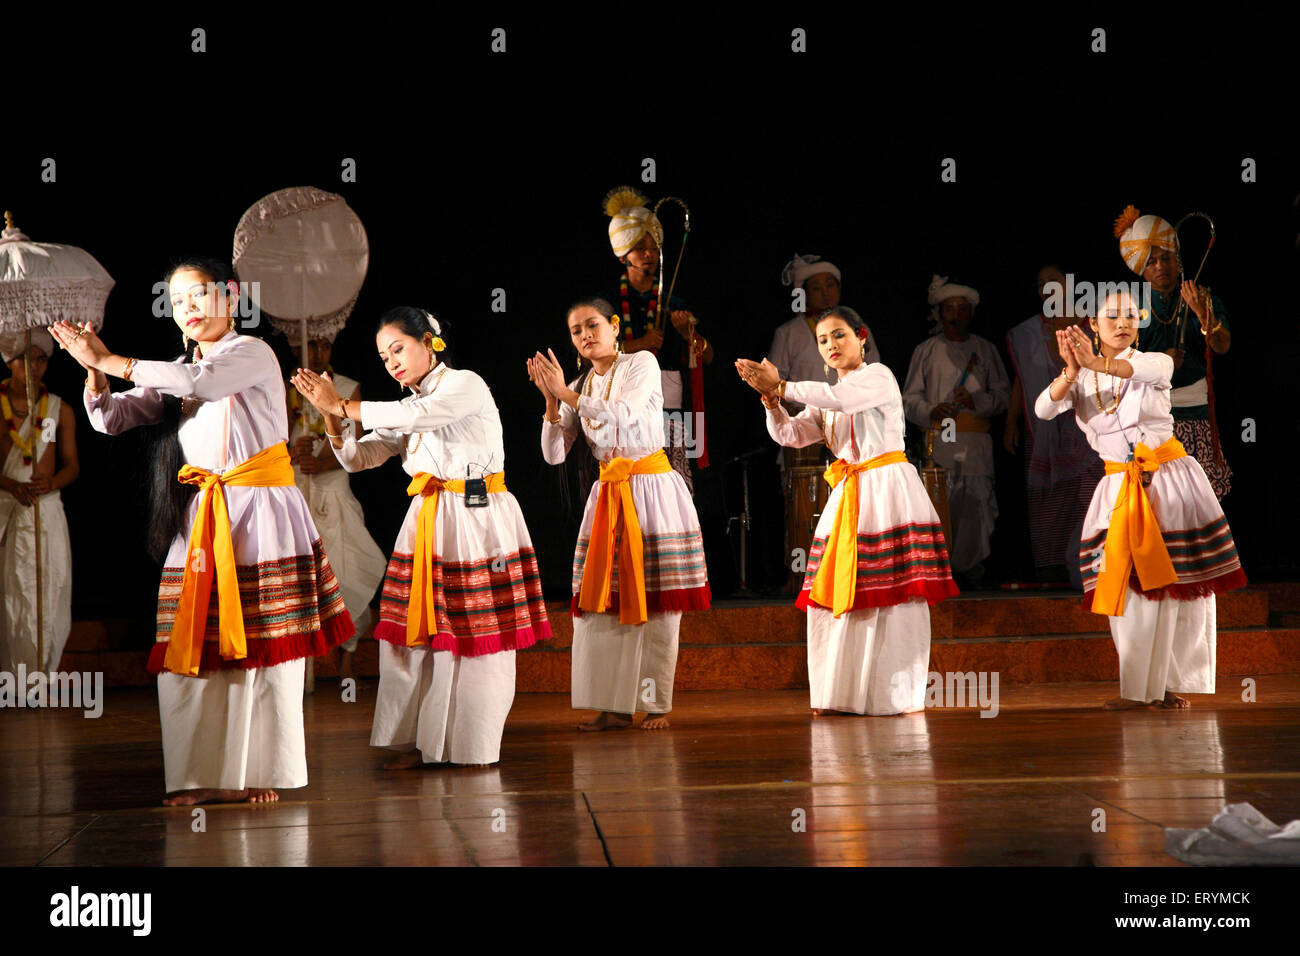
point(478, 171)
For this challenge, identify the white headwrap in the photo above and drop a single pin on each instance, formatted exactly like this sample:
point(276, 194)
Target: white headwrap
point(941, 289)
point(630, 220)
point(801, 268)
point(14, 344)
point(1138, 235)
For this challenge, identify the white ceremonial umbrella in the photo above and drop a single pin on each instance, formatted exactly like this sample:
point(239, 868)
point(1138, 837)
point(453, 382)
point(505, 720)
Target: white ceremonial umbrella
point(42, 283)
point(303, 254)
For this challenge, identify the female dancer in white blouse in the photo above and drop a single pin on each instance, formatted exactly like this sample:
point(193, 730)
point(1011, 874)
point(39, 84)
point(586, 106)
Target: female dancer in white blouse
point(878, 558)
point(230, 672)
point(1156, 546)
point(639, 562)
point(462, 592)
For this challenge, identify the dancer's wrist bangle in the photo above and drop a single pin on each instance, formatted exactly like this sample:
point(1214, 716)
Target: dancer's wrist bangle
point(128, 369)
point(93, 390)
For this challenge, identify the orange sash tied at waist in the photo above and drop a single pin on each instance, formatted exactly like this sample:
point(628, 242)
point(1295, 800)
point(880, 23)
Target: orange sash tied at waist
point(422, 612)
point(1133, 539)
point(616, 513)
point(837, 575)
point(212, 552)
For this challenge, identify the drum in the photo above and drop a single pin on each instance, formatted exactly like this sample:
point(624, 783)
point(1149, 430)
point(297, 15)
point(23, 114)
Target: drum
point(805, 499)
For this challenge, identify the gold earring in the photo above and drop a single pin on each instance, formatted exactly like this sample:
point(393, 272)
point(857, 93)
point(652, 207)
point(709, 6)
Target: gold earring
point(578, 363)
point(864, 350)
point(1096, 343)
point(826, 368)
point(185, 342)
point(231, 327)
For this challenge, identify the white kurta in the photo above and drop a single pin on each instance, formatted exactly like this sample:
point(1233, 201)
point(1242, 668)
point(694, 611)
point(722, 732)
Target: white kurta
point(231, 728)
point(1166, 644)
point(936, 369)
point(18, 563)
point(873, 659)
point(450, 699)
point(625, 668)
point(355, 557)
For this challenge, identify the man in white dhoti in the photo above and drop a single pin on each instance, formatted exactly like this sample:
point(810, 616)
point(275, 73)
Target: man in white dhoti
point(355, 557)
point(956, 382)
point(29, 446)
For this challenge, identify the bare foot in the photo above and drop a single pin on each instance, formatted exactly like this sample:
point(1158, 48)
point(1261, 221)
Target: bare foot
point(654, 722)
point(1123, 703)
point(406, 761)
point(262, 795)
point(1174, 702)
point(607, 721)
point(188, 798)
point(827, 712)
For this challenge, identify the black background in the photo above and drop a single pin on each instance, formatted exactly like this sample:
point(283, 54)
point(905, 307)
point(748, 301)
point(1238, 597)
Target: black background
point(478, 171)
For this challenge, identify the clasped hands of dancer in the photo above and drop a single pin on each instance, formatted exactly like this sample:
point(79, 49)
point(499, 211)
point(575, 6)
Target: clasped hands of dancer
point(318, 388)
point(763, 378)
point(545, 372)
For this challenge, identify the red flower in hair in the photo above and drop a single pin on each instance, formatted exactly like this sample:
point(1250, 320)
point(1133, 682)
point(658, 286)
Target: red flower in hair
point(862, 334)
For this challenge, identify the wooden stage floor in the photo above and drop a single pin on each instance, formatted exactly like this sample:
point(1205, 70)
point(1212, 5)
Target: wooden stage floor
point(725, 786)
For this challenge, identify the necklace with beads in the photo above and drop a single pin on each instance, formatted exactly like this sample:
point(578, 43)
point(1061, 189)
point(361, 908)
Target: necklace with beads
point(14, 424)
point(1117, 392)
point(420, 435)
point(609, 384)
point(650, 310)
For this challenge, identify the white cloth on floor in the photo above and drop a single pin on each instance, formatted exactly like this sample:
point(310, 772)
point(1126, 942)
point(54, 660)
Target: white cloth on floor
point(612, 663)
point(1165, 645)
point(874, 661)
point(1238, 836)
point(452, 708)
point(233, 728)
point(18, 564)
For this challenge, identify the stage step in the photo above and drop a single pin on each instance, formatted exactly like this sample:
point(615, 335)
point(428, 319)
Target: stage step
point(747, 645)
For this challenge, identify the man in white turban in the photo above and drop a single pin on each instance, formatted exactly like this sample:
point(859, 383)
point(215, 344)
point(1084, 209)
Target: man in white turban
point(955, 384)
point(636, 237)
point(28, 451)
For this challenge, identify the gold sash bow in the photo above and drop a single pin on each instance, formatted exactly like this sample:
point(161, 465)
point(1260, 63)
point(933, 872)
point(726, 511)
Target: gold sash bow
point(615, 512)
point(421, 612)
point(837, 575)
point(1133, 539)
point(212, 551)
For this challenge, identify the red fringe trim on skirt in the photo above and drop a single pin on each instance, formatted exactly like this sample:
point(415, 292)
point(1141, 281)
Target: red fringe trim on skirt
point(659, 602)
point(469, 646)
point(932, 591)
point(267, 652)
point(1184, 592)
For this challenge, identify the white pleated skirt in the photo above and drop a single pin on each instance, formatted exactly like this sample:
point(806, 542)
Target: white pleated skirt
point(1165, 646)
point(232, 729)
point(874, 661)
point(625, 668)
point(452, 708)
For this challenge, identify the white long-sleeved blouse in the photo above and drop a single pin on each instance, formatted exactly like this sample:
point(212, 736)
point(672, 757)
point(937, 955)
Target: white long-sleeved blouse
point(862, 414)
point(448, 427)
point(1143, 414)
point(627, 424)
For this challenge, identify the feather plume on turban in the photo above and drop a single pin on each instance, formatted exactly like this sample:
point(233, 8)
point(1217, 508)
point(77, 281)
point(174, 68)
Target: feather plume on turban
point(1138, 235)
point(630, 220)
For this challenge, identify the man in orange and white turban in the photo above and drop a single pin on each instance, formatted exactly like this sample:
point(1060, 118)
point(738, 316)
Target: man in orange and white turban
point(1149, 246)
